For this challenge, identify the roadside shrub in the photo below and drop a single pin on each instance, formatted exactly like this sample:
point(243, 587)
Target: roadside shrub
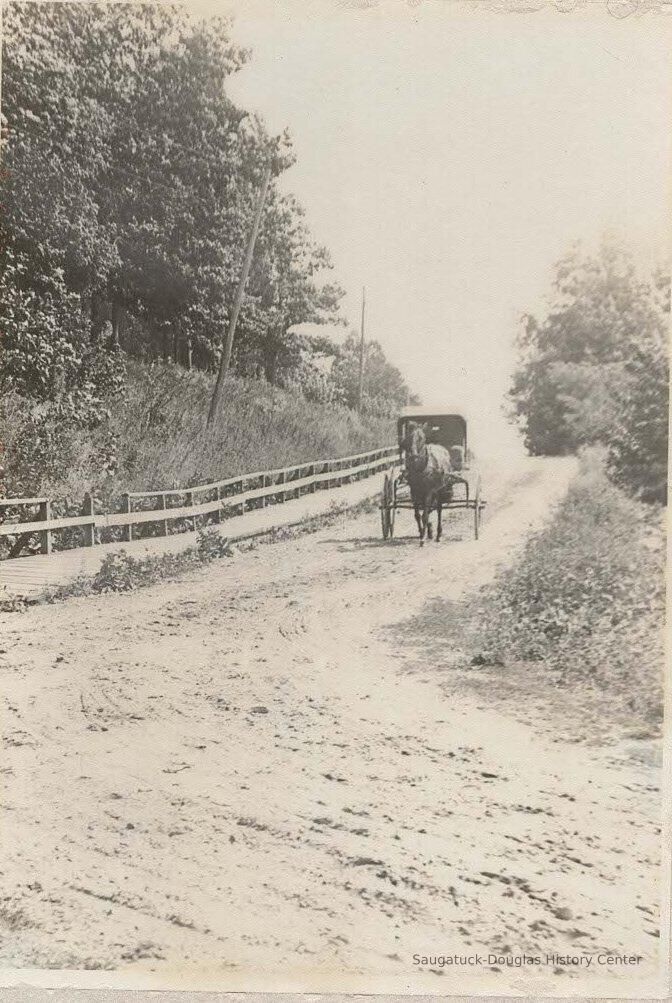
point(212, 545)
point(45, 453)
point(587, 597)
point(117, 573)
point(120, 572)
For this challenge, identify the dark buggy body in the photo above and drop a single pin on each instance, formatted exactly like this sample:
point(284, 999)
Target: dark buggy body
point(447, 429)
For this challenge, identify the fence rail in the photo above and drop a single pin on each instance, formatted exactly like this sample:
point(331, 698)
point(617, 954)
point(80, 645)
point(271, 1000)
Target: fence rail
point(232, 493)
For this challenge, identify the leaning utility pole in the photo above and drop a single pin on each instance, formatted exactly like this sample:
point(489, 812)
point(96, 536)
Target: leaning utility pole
point(360, 389)
point(228, 345)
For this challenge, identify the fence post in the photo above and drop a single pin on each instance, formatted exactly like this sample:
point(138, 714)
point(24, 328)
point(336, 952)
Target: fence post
point(263, 484)
point(165, 521)
point(242, 504)
point(190, 502)
point(45, 516)
point(283, 494)
point(218, 511)
point(129, 526)
point(312, 474)
point(89, 531)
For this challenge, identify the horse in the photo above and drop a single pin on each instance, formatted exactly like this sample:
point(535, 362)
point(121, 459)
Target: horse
point(428, 472)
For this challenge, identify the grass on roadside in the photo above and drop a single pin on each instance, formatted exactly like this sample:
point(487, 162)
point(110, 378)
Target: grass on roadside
point(584, 606)
point(122, 572)
point(156, 438)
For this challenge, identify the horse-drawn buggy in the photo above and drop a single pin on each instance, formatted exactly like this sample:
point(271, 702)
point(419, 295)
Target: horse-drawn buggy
point(438, 472)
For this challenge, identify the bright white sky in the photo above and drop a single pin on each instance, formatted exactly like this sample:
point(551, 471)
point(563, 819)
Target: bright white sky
point(448, 155)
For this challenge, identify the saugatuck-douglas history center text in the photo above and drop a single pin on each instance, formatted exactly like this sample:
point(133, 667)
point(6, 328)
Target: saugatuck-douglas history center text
point(526, 960)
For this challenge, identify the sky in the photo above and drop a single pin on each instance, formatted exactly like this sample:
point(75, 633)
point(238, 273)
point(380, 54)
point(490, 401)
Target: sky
point(448, 154)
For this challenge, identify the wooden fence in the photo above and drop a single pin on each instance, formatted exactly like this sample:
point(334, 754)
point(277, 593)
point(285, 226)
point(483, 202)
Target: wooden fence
point(189, 506)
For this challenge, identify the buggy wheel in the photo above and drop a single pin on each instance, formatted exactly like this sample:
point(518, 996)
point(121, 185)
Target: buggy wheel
point(392, 506)
point(384, 508)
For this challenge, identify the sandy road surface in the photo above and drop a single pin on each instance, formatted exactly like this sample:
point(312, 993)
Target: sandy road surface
point(243, 777)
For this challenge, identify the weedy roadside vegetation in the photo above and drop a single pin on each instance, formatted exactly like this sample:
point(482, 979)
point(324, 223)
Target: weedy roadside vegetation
point(122, 572)
point(585, 603)
point(155, 437)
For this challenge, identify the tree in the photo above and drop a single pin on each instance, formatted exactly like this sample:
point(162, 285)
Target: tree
point(55, 144)
point(131, 170)
point(638, 445)
point(286, 289)
point(385, 390)
point(595, 369)
point(56, 249)
point(188, 162)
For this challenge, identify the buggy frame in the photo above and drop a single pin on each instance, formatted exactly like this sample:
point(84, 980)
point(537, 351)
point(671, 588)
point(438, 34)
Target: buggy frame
point(447, 429)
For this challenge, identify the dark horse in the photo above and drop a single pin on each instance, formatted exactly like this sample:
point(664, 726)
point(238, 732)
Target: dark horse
point(430, 472)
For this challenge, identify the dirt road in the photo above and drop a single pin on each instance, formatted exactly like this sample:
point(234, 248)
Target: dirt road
point(244, 778)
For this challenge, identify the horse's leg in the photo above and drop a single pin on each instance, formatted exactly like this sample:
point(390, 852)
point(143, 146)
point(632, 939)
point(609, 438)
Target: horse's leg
point(439, 504)
point(430, 501)
point(426, 528)
point(418, 519)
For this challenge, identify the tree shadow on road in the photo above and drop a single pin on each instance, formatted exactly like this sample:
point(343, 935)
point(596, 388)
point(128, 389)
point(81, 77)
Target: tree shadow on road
point(451, 534)
point(369, 543)
point(432, 640)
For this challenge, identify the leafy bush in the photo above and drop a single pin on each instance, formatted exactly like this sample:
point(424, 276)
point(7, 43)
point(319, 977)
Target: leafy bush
point(43, 454)
point(212, 545)
point(120, 572)
point(587, 597)
point(56, 386)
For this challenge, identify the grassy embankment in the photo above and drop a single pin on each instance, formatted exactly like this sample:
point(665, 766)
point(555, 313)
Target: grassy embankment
point(161, 441)
point(582, 612)
point(156, 439)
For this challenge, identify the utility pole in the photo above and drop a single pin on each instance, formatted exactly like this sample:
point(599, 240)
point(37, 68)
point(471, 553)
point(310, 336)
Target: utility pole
point(228, 345)
point(360, 389)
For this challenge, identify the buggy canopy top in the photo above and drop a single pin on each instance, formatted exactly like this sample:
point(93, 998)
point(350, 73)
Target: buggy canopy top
point(447, 428)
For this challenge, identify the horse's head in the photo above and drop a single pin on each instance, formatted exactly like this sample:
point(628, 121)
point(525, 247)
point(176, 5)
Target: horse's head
point(414, 445)
point(414, 438)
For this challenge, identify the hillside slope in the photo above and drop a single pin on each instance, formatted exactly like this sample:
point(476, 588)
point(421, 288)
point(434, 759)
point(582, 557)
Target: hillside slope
point(155, 436)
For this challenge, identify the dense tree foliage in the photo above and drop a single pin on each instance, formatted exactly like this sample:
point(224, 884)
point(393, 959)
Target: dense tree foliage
point(128, 171)
point(638, 445)
point(595, 370)
point(384, 388)
point(129, 185)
